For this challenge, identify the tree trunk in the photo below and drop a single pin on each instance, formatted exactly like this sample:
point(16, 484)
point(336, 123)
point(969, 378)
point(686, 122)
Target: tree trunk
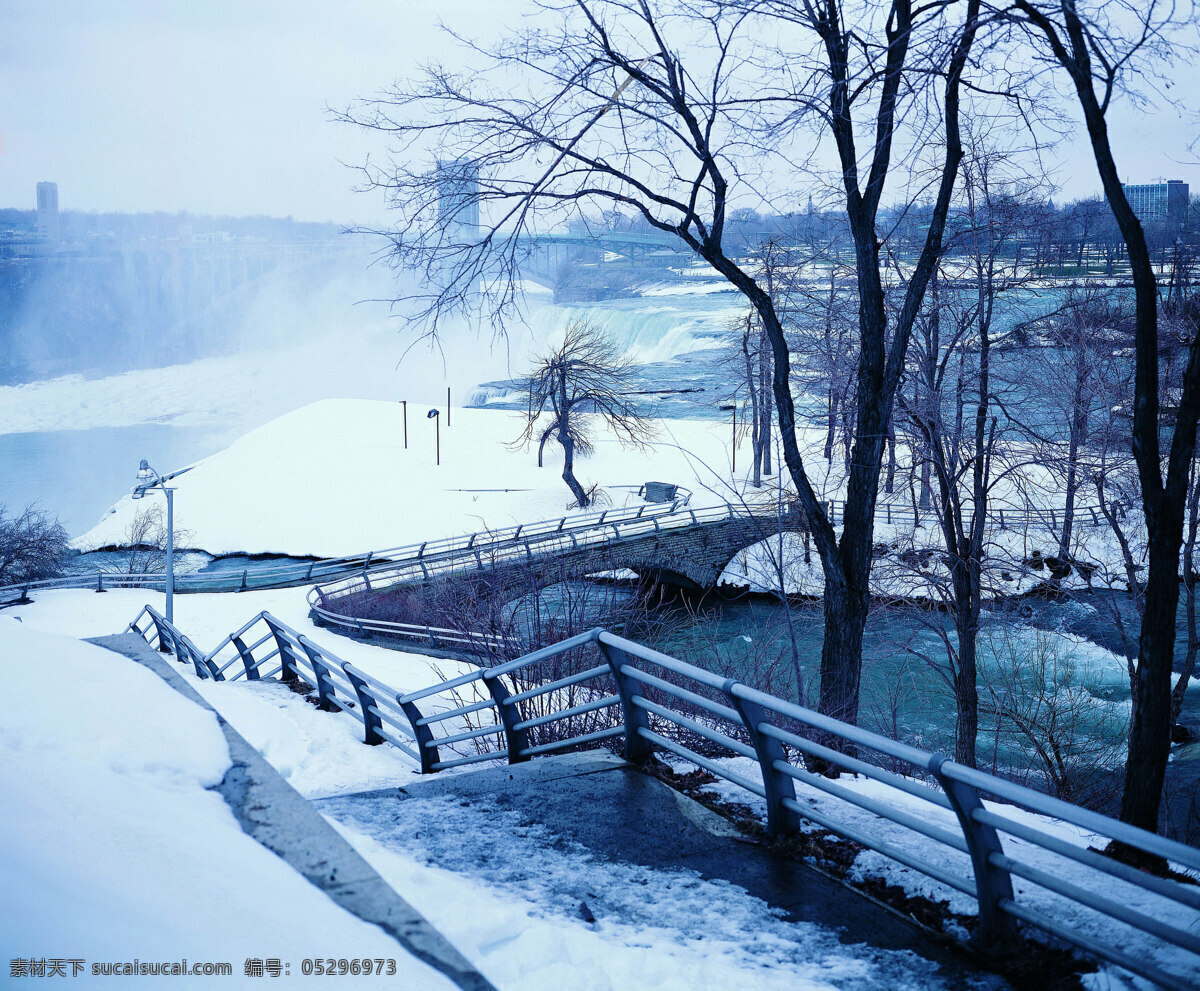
point(568, 445)
point(841, 654)
point(568, 472)
point(765, 411)
point(966, 694)
point(1150, 728)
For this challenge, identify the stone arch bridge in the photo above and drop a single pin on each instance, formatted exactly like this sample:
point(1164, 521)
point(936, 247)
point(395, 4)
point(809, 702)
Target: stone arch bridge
point(680, 547)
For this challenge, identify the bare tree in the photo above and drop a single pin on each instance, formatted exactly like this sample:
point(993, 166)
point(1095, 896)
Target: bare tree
point(587, 374)
point(33, 546)
point(747, 359)
point(1099, 50)
point(957, 417)
point(145, 540)
point(1085, 339)
point(667, 110)
point(1056, 729)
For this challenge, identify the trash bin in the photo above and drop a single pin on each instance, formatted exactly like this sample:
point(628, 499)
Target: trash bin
point(660, 492)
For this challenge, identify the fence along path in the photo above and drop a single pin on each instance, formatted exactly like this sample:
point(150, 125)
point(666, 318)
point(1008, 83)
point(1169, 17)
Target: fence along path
point(543, 536)
point(530, 542)
point(929, 815)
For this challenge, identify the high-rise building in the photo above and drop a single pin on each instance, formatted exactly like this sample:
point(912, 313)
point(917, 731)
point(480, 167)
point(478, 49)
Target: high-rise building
point(47, 210)
point(1159, 200)
point(458, 196)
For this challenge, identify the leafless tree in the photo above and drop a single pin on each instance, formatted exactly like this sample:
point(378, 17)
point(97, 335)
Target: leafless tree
point(957, 416)
point(1056, 729)
point(1081, 347)
point(747, 359)
point(584, 379)
point(822, 311)
point(33, 545)
point(1106, 50)
point(145, 540)
point(668, 110)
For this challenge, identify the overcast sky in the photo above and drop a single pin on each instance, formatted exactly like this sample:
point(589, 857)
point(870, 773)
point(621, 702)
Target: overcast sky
point(218, 106)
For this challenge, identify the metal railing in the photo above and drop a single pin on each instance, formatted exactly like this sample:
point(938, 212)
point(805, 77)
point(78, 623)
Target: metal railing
point(529, 542)
point(932, 819)
point(292, 573)
point(520, 545)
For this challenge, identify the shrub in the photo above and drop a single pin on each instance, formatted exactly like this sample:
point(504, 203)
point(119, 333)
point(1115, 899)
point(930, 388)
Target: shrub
point(33, 546)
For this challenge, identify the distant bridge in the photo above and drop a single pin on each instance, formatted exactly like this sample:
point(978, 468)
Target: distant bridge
point(542, 255)
point(685, 548)
point(651, 537)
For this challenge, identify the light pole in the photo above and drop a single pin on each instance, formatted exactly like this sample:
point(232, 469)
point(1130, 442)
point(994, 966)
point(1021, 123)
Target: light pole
point(148, 479)
point(437, 433)
point(733, 438)
point(404, 403)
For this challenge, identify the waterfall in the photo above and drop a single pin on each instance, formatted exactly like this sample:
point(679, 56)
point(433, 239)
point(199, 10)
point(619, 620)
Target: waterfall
point(650, 329)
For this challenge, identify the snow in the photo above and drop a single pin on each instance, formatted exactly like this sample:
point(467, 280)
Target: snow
point(112, 846)
point(688, 289)
point(869, 864)
point(681, 930)
point(208, 617)
point(318, 753)
point(507, 893)
point(333, 478)
point(666, 929)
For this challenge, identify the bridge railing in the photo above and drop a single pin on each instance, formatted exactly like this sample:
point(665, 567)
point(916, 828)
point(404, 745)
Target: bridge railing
point(409, 558)
point(522, 545)
point(967, 830)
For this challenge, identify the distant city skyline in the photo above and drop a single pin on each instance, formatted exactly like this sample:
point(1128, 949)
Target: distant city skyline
point(219, 108)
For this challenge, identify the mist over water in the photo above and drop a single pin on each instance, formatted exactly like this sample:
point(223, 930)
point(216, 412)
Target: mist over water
point(77, 474)
point(321, 326)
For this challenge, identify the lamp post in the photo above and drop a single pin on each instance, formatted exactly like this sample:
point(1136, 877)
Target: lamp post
point(437, 433)
point(148, 479)
point(733, 437)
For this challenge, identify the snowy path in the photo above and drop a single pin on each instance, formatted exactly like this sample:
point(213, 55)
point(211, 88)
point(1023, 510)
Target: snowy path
point(510, 890)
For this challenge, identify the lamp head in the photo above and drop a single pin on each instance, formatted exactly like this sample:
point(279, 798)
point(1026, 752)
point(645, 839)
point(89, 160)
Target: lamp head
point(431, 414)
point(145, 478)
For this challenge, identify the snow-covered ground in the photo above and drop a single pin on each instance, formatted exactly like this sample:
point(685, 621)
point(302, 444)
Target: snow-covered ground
point(334, 478)
point(112, 846)
point(654, 928)
point(683, 931)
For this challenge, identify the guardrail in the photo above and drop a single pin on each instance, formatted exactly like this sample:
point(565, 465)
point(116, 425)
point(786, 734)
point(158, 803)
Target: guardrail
point(527, 543)
point(481, 552)
point(553, 699)
point(370, 563)
point(291, 574)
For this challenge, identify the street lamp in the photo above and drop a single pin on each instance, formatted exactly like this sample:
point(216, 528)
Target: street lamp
point(437, 431)
point(725, 408)
point(148, 479)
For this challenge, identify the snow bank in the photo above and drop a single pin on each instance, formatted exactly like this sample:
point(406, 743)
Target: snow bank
point(113, 848)
point(334, 478)
point(318, 753)
point(688, 289)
